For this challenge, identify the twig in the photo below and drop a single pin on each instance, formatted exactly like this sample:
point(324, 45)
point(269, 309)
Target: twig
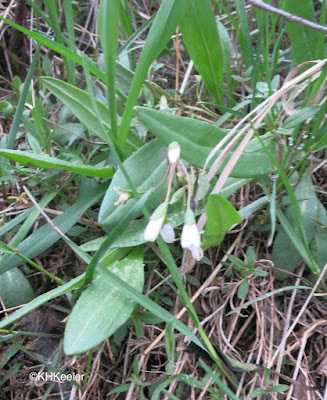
point(286, 15)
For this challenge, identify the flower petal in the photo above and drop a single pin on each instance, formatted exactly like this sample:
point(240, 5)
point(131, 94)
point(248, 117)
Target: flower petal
point(167, 233)
point(153, 228)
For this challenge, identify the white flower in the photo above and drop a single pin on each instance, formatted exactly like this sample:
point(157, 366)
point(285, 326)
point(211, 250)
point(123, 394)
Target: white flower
point(174, 151)
point(190, 238)
point(167, 233)
point(155, 224)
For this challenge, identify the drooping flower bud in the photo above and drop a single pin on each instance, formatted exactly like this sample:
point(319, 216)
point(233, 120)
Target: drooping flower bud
point(191, 238)
point(155, 224)
point(174, 151)
point(190, 234)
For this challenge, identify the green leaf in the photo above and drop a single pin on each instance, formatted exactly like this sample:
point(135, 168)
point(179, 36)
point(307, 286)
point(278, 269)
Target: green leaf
point(304, 40)
point(201, 38)
point(259, 272)
point(285, 255)
point(80, 105)
point(167, 18)
point(15, 289)
point(57, 47)
point(108, 34)
point(197, 139)
point(221, 215)
point(45, 161)
point(300, 116)
point(278, 388)
point(46, 236)
point(42, 299)
point(103, 308)
point(321, 144)
point(250, 255)
point(146, 168)
point(21, 102)
point(243, 289)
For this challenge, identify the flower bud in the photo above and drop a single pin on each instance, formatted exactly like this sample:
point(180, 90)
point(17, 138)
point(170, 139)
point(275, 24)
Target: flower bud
point(190, 234)
point(174, 151)
point(155, 224)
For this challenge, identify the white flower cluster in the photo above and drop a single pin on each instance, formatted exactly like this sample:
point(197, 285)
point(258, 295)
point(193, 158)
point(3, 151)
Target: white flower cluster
point(190, 238)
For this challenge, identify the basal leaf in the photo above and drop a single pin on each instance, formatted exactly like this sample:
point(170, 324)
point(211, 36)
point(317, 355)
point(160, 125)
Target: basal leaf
point(103, 308)
point(198, 138)
point(79, 103)
point(146, 168)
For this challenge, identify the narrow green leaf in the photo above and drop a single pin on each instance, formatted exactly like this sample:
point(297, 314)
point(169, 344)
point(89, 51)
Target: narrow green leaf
point(108, 35)
point(167, 18)
point(22, 99)
point(57, 47)
point(201, 38)
point(42, 299)
point(221, 215)
point(45, 236)
point(45, 161)
point(265, 296)
point(286, 254)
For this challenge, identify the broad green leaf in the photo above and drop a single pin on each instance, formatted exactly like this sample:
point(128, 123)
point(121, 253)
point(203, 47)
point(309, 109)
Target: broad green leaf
point(300, 116)
point(103, 308)
point(285, 254)
point(304, 40)
point(146, 168)
point(197, 139)
point(221, 215)
point(46, 236)
point(45, 161)
point(167, 18)
point(201, 39)
point(130, 292)
point(15, 289)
